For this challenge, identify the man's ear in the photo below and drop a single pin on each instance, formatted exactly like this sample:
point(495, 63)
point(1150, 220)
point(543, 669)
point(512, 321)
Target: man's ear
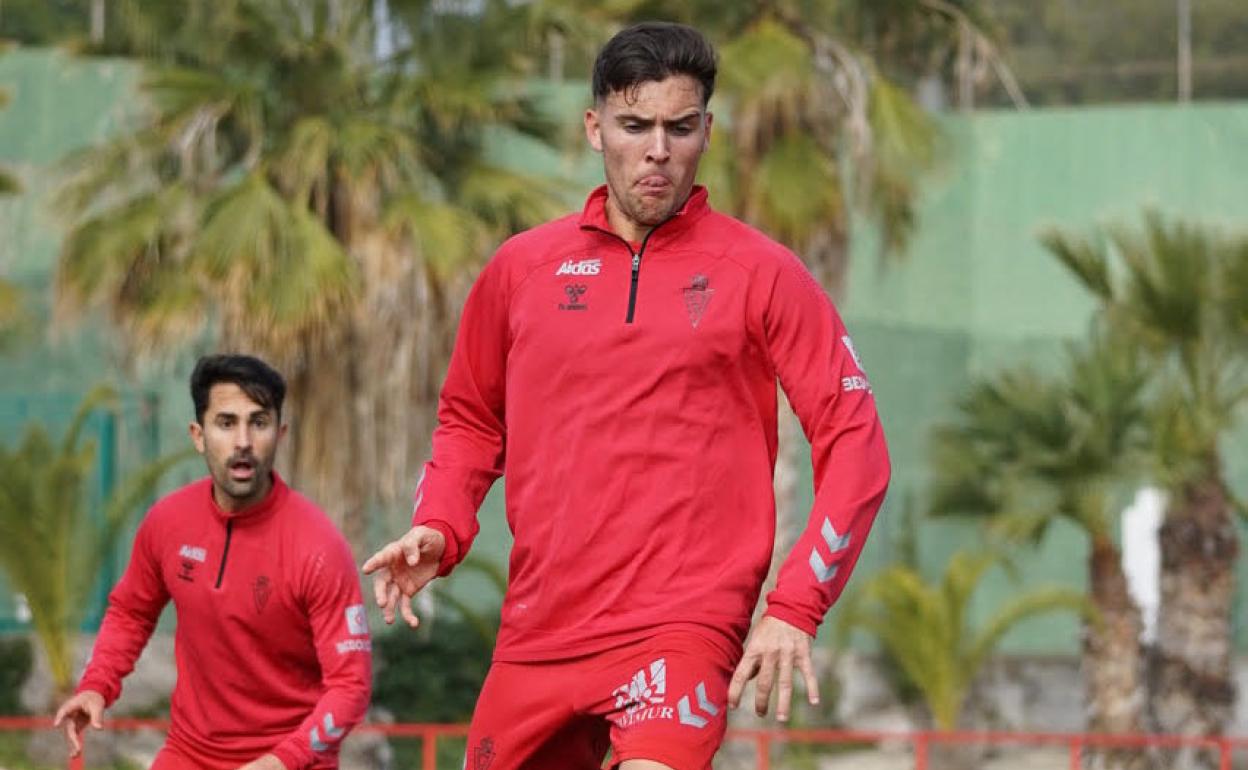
point(593, 128)
point(197, 435)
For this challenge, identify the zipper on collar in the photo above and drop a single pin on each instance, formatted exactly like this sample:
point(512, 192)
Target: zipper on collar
point(636, 255)
point(632, 284)
point(225, 552)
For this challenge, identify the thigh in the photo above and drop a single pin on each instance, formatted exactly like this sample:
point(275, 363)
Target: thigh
point(671, 704)
point(525, 720)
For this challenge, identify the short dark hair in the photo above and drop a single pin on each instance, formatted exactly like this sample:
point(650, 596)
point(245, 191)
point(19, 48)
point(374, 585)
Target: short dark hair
point(261, 382)
point(654, 51)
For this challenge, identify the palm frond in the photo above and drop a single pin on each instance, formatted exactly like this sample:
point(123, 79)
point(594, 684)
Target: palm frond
point(1034, 602)
point(131, 260)
point(1024, 446)
point(446, 237)
point(1169, 267)
point(99, 397)
point(107, 175)
point(925, 627)
point(372, 149)
point(276, 268)
point(1087, 260)
point(509, 201)
point(135, 491)
point(904, 149)
point(50, 545)
point(1233, 289)
point(796, 189)
point(304, 164)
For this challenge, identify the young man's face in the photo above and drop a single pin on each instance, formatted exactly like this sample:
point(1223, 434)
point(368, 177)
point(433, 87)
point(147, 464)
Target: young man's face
point(651, 139)
point(238, 439)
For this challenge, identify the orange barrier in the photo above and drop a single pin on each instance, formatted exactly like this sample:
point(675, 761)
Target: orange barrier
point(765, 740)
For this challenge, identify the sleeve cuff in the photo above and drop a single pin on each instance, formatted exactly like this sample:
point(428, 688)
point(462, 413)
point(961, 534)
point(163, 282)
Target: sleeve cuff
point(290, 758)
point(794, 618)
point(110, 694)
point(450, 556)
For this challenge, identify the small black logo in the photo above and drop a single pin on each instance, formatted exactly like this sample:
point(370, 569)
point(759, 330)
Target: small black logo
point(697, 297)
point(574, 292)
point(187, 572)
point(483, 754)
point(260, 591)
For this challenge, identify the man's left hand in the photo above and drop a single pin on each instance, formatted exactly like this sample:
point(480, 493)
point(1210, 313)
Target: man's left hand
point(264, 762)
point(774, 646)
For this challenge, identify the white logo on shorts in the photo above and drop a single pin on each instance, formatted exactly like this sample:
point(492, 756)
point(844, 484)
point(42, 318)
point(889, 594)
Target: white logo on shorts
point(639, 692)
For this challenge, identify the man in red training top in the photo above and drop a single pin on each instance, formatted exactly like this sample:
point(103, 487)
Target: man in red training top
point(619, 366)
point(272, 644)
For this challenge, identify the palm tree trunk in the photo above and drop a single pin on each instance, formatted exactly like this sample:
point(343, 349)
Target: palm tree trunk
point(955, 756)
point(97, 21)
point(1113, 660)
point(1192, 687)
point(322, 444)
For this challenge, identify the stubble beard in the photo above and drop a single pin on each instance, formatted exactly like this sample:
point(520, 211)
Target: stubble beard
point(244, 492)
point(652, 212)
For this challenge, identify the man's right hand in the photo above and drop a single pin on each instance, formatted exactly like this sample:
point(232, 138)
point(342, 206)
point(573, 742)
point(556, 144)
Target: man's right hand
point(81, 710)
point(403, 567)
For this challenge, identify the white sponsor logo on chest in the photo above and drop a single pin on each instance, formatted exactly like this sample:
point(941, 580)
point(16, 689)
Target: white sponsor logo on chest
point(193, 552)
point(580, 267)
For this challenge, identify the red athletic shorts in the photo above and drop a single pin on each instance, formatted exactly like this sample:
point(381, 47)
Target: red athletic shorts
point(664, 699)
point(174, 757)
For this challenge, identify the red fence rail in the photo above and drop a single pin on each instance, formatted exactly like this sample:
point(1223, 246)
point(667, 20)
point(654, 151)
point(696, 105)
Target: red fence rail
point(764, 740)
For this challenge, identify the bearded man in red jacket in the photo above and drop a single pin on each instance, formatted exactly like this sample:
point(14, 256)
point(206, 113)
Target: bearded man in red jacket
point(272, 643)
point(619, 366)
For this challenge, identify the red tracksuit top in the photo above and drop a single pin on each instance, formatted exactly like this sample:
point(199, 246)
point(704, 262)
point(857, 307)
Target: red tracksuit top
point(272, 644)
point(631, 402)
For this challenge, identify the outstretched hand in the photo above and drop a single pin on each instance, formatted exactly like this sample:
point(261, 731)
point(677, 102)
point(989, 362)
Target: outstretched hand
point(774, 646)
point(402, 568)
point(85, 708)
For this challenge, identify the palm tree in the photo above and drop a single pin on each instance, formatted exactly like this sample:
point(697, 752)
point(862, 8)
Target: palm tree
point(926, 628)
point(1026, 449)
point(316, 205)
point(1180, 293)
point(51, 545)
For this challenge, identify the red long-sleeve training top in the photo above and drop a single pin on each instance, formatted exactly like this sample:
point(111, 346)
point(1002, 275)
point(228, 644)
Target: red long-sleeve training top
point(272, 643)
point(628, 391)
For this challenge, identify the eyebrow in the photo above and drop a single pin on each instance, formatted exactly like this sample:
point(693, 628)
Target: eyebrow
point(249, 415)
point(632, 117)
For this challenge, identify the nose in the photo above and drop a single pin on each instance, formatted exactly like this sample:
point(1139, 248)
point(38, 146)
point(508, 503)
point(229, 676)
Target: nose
point(658, 150)
point(242, 437)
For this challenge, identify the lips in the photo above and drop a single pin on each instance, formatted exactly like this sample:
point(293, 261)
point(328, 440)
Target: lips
point(654, 183)
point(242, 470)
